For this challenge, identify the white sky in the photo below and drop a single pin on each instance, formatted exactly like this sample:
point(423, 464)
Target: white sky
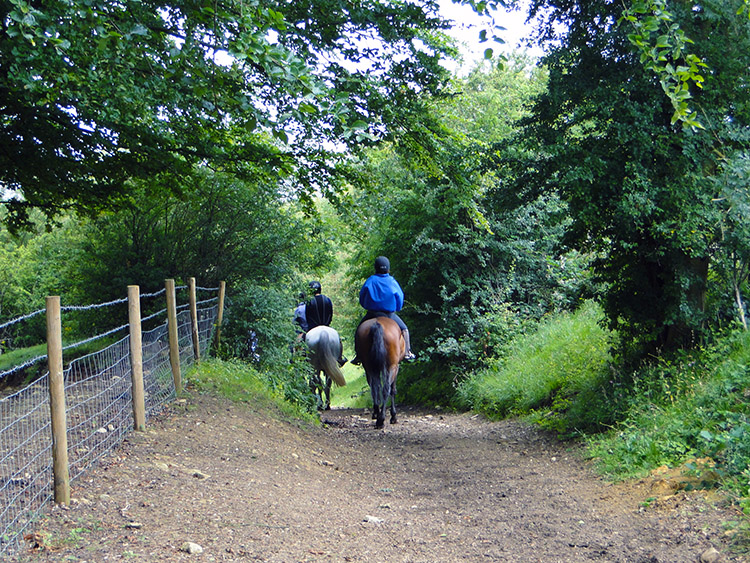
point(468, 25)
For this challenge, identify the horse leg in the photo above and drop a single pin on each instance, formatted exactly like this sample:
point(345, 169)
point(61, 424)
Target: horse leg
point(393, 407)
point(327, 404)
point(377, 412)
point(380, 419)
point(316, 385)
point(374, 396)
point(393, 396)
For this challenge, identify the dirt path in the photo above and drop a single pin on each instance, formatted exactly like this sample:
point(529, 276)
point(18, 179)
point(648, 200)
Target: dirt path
point(434, 488)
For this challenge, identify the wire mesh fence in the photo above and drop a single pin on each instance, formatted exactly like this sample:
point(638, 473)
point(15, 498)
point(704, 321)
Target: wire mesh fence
point(99, 414)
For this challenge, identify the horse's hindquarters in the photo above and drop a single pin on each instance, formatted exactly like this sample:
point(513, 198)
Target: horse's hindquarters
point(379, 344)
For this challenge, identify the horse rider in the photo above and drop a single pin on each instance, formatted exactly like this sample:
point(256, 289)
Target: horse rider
point(319, 311)
point(299, 316)
point(381, 295)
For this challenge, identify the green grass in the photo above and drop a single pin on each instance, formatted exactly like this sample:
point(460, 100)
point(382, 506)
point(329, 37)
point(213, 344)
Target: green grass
point(285, 393)
point(356, 392)
point(554, 372)
point(13, 358)
point(20, 356)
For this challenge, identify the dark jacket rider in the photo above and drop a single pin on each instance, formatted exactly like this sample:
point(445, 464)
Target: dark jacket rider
point(319, 309)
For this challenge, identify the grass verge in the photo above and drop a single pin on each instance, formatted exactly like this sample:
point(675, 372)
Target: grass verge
point(554, 374)
point(285, 391)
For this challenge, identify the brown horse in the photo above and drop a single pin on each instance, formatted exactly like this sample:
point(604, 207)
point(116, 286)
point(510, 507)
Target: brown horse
point(380, 345)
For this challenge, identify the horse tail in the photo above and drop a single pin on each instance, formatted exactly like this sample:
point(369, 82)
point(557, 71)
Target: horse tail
point(379, 361)
point(329, 350)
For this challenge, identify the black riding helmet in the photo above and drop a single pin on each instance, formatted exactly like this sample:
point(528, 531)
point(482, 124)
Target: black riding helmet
point(382, 265)
point(315, 287)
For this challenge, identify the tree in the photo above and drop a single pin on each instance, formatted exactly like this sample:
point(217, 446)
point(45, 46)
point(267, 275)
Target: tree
point(733, 248)
point(472, 269)
point(221, 229)
point(95, 93)
point(638, 185)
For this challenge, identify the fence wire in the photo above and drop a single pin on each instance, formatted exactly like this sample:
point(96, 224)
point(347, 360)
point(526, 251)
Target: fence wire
point(99, 415)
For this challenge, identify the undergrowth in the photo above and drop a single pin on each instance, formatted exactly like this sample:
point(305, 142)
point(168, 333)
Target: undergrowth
point(283, 389)
point(690, 405)
point(556, 374)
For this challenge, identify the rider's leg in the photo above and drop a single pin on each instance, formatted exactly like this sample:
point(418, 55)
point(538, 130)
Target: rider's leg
point(409, 355)
point(355, 361)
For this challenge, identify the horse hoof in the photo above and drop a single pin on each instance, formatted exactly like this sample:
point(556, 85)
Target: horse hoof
point(394, 421)
point(379, 425)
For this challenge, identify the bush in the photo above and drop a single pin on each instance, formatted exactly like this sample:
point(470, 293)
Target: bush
point(560, 372)
point(258, 329)
point(258, 325)
point(688, 405)
point(426, 383)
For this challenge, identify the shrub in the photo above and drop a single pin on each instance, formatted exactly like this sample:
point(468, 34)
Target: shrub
point(688, 405)
point(559, 371)
point(258, 325)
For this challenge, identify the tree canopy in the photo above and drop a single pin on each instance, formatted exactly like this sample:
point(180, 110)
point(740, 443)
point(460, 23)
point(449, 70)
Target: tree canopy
point(95, 93)
point(640, 187)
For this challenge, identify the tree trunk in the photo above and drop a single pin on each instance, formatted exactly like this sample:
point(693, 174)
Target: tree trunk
point(683, 333)
point(740, 305)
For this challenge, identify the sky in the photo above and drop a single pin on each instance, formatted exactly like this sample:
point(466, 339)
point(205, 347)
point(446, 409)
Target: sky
point(468, 25)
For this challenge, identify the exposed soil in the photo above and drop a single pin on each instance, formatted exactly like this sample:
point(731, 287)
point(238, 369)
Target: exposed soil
point(436, 487)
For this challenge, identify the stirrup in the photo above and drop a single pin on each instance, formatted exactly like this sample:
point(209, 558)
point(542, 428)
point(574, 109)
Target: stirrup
point(342, 361)
point(410, 356)
point(355, 361)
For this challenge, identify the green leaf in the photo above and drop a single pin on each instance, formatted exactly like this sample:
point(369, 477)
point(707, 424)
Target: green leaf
point(663, 41)
point(281, 135)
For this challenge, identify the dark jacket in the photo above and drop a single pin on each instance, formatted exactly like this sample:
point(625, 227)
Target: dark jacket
point(319, 311)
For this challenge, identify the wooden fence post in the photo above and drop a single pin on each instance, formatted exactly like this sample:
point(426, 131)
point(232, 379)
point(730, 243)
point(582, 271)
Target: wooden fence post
point(136, 358)
point(174, 344)
point(57, 402)
point(220, 316)
point(194, 319)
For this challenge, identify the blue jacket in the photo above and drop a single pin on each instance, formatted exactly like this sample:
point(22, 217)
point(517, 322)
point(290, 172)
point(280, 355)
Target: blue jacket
point(381, 292)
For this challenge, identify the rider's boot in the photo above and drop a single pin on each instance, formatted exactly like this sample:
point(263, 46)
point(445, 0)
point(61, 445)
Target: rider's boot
point(409, 355)
point(342, 360)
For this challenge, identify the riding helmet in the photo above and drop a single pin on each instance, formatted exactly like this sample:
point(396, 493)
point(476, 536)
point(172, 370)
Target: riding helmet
point(315, 287)
point(382, 265)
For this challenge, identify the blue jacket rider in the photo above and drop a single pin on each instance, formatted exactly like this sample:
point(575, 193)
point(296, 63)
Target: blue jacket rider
point(381, 295)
